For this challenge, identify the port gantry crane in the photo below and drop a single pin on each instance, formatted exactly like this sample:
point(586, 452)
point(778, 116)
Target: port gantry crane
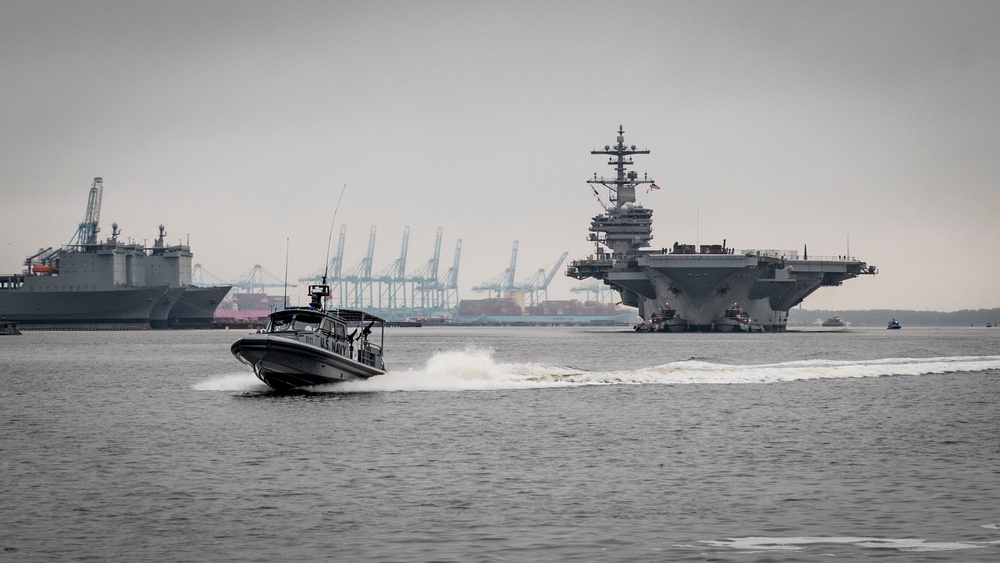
point(503, 282)
point(256, 279)
point(449, 283)
point(398, 295)
point(359, 291)
point(392, 279)
point(596, 293)
point(534, 287)
point(202, 277)
point(332, 271)
point(537, 286)
point(423, 281)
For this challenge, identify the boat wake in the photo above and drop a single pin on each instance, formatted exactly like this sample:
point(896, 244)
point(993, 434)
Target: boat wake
point(238, 381)
point(477, 369)
point(758, 544)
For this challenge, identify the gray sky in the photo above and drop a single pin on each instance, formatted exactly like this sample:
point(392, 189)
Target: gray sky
point(771, 125)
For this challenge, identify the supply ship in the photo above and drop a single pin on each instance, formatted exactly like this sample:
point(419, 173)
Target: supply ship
point(708, 287)
point(108, 284)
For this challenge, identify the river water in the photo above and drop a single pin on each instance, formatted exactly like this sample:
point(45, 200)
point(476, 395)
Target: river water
point(507, 444)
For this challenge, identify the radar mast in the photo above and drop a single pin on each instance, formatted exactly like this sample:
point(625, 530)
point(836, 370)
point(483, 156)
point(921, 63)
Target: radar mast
point(626, 226)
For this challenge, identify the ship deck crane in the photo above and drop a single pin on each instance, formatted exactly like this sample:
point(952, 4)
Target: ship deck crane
point(86, 233)
point(44, 255)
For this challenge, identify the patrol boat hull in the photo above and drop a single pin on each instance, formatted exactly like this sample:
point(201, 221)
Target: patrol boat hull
point(284, 364)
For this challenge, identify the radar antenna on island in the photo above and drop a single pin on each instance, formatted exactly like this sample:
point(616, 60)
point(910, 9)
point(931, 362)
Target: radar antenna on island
point(622, 186)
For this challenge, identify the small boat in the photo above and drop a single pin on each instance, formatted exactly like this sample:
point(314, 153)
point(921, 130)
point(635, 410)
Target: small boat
point(307, 346)
point(893, 324)
point(8, 328)
point(663, 320)
point(736, 320)
point(834, 321)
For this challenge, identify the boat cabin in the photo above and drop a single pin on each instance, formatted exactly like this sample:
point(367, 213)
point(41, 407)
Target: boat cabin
point(329, 330)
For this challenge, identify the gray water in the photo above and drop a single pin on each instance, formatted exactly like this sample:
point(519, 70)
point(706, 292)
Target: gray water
point(507, 444)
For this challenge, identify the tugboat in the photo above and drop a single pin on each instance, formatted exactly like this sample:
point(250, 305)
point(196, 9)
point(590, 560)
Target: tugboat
point(834, 321)
point(8, 328)
point(736, 320)
point(663, 320)
point(893, 324)
point(307, 346)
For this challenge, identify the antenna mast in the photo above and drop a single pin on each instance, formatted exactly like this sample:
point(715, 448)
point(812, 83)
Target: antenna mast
point(329, 240)
point(318, 292)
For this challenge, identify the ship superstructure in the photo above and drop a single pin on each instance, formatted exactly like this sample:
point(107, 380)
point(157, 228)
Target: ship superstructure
point(711, 287)
point(109, 283)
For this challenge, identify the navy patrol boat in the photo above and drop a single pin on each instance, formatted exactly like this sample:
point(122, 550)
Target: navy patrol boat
point(307, 346)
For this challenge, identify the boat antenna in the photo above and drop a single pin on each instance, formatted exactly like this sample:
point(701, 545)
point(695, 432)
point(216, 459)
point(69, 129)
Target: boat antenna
point(329, 240)
point(284, 295)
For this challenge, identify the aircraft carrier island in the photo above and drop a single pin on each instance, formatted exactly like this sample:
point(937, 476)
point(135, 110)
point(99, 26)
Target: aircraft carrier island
point(686, 287)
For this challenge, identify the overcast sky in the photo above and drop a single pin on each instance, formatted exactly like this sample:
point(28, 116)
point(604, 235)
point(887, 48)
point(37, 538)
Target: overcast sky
point(772, 125)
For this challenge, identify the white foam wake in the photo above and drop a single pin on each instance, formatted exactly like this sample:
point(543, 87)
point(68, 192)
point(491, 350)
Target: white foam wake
point(798, 543)
point(477, 369)
point(242, 381)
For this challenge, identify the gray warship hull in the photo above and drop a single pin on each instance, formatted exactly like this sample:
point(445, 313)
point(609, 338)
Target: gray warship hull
point(196, 307)
point(132, 308)
point(160, 312)
point(708, 288)
point(118, 308)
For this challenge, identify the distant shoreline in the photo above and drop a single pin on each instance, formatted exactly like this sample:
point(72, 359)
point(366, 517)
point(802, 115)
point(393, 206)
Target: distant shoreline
point(879, 317)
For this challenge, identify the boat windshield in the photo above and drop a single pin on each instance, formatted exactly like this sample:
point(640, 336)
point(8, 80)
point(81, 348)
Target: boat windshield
point(299, 322)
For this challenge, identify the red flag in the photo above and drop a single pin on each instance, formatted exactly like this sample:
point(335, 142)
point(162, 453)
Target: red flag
point(654, 187)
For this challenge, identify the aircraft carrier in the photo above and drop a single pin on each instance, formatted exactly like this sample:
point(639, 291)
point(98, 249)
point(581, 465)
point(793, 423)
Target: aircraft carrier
point(108, 284)
point(708, 287)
